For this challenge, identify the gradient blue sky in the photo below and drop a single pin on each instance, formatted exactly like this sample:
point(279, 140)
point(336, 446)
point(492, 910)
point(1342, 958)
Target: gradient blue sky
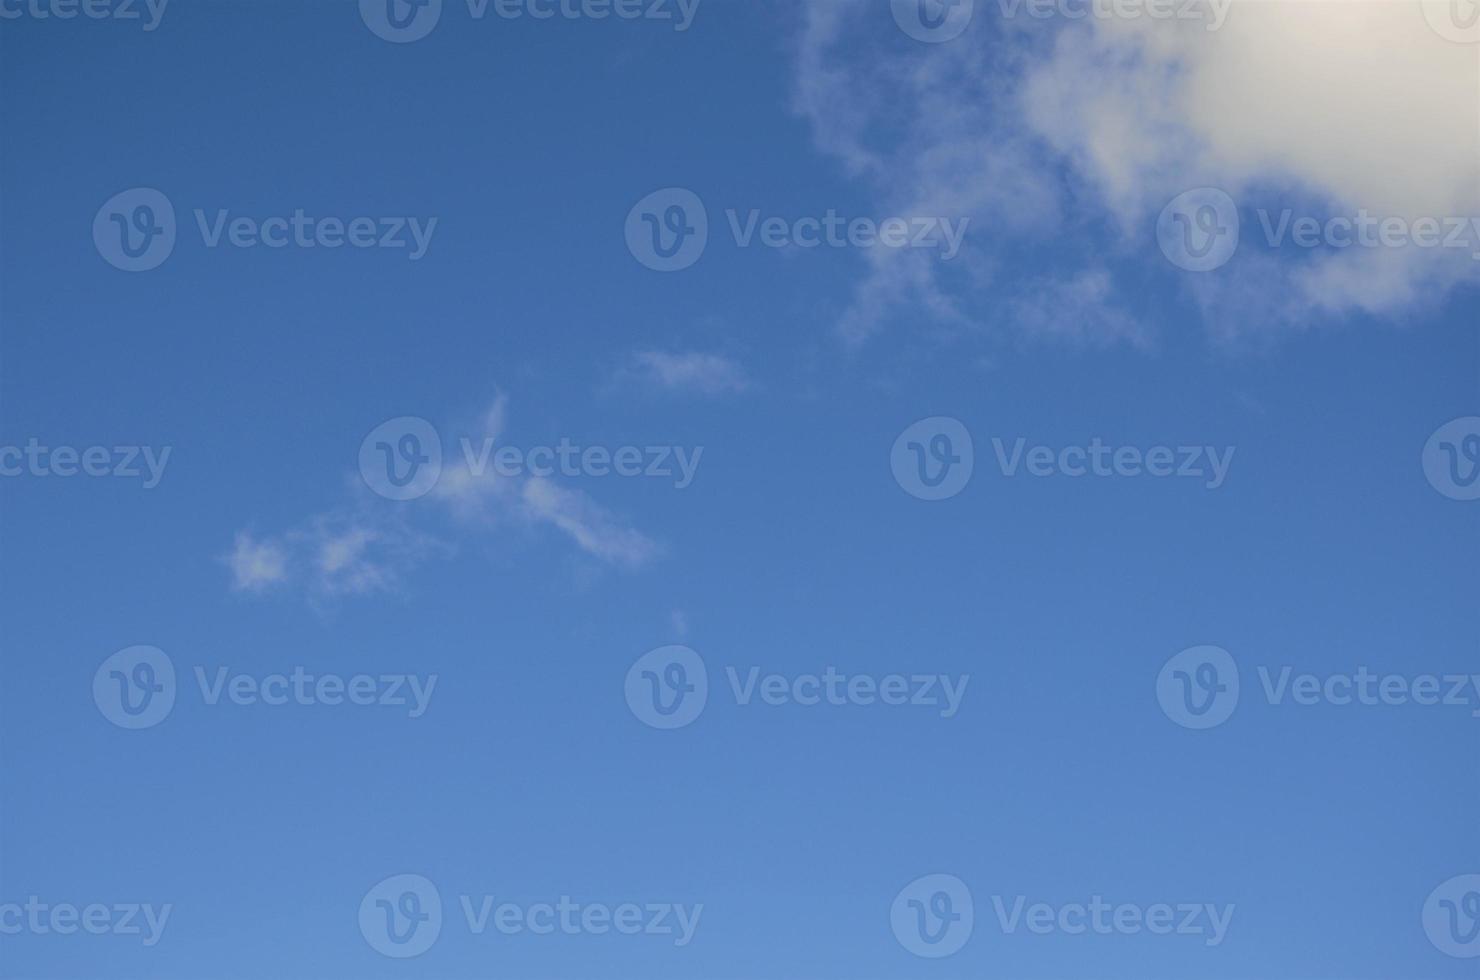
point(793, 550)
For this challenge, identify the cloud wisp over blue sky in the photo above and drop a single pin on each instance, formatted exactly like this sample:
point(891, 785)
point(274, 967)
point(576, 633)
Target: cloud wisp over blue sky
point(699, 488)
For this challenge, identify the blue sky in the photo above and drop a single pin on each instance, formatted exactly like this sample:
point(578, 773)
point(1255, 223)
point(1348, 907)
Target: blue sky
point(798, 542)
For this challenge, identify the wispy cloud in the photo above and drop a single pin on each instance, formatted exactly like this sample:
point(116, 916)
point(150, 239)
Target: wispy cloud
point(256, 565)
point(684, 371)
point(330, 555)
point(371, 545)
point(595, 530)
point(1080, 309)
point(1071, 135)
point(483, 497)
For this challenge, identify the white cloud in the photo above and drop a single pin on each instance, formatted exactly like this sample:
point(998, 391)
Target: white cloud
point(690, 371)
point(595, 530)
point(1080, 310)
point(256, 565)
point(1052, 133)
point(371, 548)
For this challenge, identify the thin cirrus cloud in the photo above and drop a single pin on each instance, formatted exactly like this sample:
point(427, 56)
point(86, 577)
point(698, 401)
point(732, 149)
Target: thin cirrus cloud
point(370, 546)
point(691, 372)
point(1076, 134)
